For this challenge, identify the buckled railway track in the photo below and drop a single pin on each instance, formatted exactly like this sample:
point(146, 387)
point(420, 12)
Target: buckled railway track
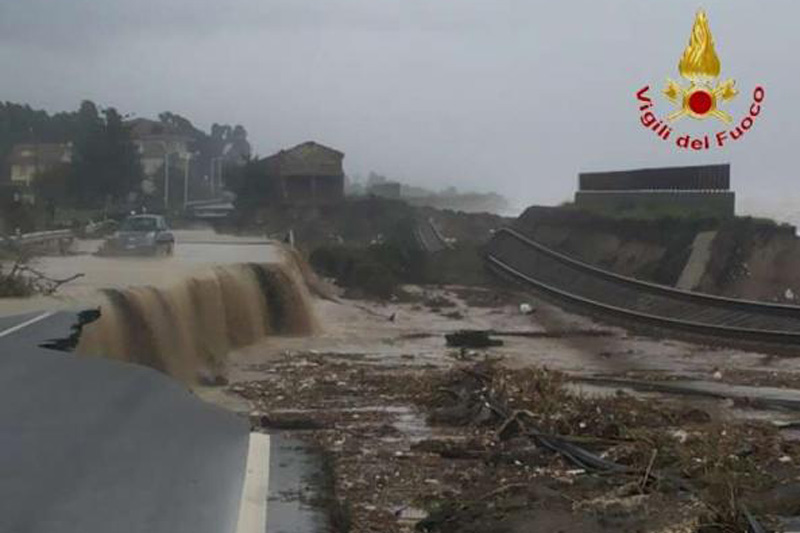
point(605, 294)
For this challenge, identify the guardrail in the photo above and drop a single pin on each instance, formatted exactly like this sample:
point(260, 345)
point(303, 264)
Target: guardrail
point(610, 295)
point(62, 238)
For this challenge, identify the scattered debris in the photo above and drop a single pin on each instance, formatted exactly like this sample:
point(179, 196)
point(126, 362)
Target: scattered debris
point(500, 450)
point(211, 378)
point(554, 333)
point(471, 339)
point(483, 297)
point(438, 302)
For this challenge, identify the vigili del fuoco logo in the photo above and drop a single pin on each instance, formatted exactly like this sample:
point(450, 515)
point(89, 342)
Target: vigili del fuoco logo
point(704, 97)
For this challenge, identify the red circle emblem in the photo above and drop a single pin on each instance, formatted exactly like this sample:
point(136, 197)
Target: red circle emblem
point(700, 102)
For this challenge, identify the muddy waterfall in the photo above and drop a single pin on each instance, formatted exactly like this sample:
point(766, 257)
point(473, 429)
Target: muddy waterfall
point(187, 330)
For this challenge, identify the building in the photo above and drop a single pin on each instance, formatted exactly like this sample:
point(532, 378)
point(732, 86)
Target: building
point(702, 191)
point(27, 161)
point(308, 174)
point(155, 141)
point(386, 189)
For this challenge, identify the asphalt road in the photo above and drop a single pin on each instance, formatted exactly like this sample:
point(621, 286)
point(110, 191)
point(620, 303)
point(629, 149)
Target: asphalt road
point(91, 445)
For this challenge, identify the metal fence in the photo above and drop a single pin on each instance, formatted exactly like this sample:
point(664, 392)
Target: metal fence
point(694, 178)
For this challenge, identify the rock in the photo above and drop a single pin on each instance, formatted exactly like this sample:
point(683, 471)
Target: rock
point(471, 339)
point(211, 379)
point(284, 422)
point(695, 416)
point(526, 309)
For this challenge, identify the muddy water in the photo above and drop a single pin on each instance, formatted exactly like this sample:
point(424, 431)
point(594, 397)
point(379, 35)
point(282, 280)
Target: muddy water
point(181, 314)
point(195, 251)
point(186, 329)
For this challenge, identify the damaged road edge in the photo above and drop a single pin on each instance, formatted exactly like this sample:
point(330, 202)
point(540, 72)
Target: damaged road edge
point(70, 342)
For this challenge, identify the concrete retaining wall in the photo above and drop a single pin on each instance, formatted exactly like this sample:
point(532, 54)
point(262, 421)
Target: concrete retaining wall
point(703, 203)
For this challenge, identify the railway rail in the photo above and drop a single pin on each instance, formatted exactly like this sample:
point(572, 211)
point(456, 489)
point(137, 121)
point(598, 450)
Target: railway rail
point(615, 297)
point(428, 236)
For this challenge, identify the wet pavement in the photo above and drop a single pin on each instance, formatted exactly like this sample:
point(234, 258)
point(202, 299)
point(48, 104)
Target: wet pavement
point(297, 485)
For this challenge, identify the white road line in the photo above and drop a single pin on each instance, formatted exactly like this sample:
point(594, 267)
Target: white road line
point(27, 323)
point(253, 507)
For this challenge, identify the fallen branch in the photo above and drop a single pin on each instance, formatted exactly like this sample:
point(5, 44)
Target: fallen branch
point(649, 469)
point(500, 490)
point(24, 280)
point(43, 283)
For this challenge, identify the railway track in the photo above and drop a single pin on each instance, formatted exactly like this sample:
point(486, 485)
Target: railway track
point(428, 236)
point(615, 297)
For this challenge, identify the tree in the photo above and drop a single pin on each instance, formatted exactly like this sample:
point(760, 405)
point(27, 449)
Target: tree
point(52, 186)
point(253, 184)
point(105, 161)
point(179, 124)
point(123, 169)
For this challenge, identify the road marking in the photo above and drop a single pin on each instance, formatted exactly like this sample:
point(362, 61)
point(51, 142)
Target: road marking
point(253, 506)
point(27, 323)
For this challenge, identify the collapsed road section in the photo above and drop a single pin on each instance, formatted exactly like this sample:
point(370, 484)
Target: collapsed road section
point(114, 437)
point(92, 445)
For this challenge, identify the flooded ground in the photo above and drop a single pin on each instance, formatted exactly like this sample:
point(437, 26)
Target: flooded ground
point(360, 388)
point(357, 390)
point(195, 250)
point(414, 334)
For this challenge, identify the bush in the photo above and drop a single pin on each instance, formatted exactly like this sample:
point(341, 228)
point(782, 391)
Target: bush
point(15, 285)
point(376, 270)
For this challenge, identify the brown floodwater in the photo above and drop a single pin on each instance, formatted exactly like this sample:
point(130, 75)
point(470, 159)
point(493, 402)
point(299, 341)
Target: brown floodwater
point(196, 250)
point(183, 314)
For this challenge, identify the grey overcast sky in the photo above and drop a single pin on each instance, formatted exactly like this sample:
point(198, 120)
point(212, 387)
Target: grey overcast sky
point(516, 96)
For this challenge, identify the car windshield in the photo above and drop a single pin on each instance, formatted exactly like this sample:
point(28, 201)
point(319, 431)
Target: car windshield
point(139, 224)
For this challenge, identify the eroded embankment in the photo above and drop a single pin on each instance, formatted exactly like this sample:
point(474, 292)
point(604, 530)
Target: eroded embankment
point(187, 329)
point(743, 257)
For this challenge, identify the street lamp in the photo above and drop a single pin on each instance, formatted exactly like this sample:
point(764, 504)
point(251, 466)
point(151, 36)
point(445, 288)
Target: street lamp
point(187, 157)
point(166, 177)
point(167, 153)
point(217, 168)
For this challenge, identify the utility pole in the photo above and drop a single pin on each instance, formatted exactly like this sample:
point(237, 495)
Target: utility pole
point(166, 179)
point(166, 173)
point(219, 174)
point(35, 157)
point(213, 189)
point(216, 175)
point(188, 159)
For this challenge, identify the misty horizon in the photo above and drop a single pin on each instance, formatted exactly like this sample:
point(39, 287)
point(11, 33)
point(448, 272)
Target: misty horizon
point(511, 97)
